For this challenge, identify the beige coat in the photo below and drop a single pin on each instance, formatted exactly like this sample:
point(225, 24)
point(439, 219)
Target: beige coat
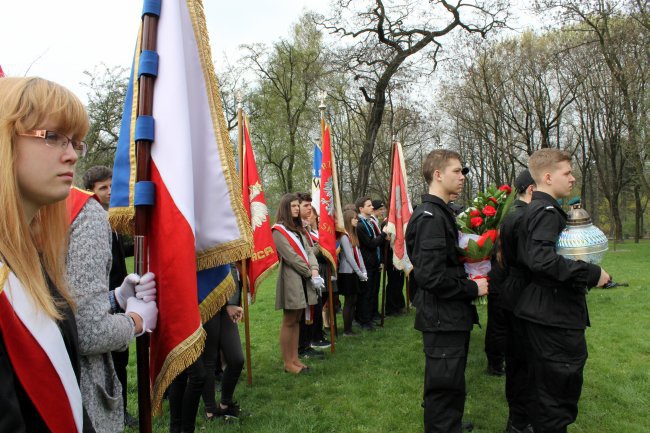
point(289, 293)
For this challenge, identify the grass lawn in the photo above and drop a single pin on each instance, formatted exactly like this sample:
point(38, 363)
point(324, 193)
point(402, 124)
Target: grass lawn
point(374, 381)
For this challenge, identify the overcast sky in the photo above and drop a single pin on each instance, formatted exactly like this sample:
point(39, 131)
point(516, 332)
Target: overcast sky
point(60, 39)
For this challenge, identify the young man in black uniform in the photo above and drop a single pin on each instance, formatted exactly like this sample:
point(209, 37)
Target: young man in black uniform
point(371, 241)
point(445, 314)
point(508, 277)
point(553, 305)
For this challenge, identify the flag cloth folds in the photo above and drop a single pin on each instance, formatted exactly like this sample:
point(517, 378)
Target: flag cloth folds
point(329, 210)
point(198, 223)
point(315, 175)
point(265, 257)
point(399, 211)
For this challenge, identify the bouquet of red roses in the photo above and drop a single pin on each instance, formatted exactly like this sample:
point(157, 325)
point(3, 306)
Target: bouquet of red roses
point(478, 230)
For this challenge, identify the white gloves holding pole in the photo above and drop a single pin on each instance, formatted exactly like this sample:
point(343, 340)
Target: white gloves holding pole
point(138, 295)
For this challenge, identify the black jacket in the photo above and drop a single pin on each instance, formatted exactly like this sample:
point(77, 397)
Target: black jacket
point(509, 275)
point(370, 243)
point(444, 295)
point(556, 293)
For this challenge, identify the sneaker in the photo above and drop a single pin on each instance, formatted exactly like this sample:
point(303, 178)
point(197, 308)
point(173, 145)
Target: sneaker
point(368, 327)
point(349, 334)
point(231, 412)
point(467, 426)
point(320, 345)
point(310, 353)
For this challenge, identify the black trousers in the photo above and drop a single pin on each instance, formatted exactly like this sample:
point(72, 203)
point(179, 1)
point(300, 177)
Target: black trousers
point(120, 362)
point(444, 380)
point(518, 387)
point(556, 358)
point(374, 282)
point(363, 312)
point(394, 290)
point(312, 332)
point(222, 337)
point(495, 332)
point(184, 396)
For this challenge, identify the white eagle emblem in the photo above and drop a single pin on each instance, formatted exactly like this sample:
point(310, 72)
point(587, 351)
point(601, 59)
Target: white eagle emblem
point(328, 200)
point(259, 211)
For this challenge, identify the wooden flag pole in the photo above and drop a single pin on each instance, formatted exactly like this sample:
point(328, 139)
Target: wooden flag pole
point(244, 273)
point(408, 293)
point(142, 219)
point(387, 243)
point(322, 107)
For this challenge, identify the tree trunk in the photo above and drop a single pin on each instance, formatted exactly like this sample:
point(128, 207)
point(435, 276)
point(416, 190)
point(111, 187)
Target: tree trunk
point(638, 214)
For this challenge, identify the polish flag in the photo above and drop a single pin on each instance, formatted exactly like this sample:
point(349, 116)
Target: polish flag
point(198, 223)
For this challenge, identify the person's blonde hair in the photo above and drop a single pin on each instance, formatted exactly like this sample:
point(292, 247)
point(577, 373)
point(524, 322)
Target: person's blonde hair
point(33, 250)
point(348, 216)
point(545, 160)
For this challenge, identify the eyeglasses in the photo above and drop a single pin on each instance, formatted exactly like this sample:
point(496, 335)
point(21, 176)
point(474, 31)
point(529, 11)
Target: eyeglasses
point(56, 140)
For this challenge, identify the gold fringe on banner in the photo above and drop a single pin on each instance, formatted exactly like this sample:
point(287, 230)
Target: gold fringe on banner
point(217, 298)
point(122, 220)
point(4, 274)
point(329, 257)
point(226, 253)
point(181, 357)
point(223, 254)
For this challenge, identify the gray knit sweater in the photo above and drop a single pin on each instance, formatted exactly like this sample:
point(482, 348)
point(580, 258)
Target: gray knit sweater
point(88, 265)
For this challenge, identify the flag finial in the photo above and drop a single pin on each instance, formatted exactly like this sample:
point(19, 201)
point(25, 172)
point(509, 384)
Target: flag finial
point(239, 97)
point(322, 95)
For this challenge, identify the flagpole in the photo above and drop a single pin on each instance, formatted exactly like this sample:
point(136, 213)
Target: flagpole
point(386, 244)
point(322, 107)
point(244, 272)
point(142, 218)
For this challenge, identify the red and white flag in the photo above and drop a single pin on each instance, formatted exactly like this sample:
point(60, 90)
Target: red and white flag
point(330, 214)
point(399, 211)
point(265, 256)
point(198, 223)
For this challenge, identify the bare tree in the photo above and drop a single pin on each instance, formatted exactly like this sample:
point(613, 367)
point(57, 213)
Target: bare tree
point(387, 36)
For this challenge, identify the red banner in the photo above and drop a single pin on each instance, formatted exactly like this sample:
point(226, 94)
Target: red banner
point(265, 257)
point(2, 73)
point(399, 211)
point(329, 208)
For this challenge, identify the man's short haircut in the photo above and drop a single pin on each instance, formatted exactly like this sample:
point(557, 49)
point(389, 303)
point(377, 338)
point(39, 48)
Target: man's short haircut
point(303, 196)
point(97, 173)
point(361, 201)
point(544, 161)
point(437, 159)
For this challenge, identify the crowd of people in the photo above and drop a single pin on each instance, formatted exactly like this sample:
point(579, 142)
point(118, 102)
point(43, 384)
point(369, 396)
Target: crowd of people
point(67, 316)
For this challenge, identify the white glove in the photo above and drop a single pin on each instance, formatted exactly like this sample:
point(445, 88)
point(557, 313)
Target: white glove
point(148, 311)
point(363, 276)
point(126, 290)
point(318, 282)
point(146, 289)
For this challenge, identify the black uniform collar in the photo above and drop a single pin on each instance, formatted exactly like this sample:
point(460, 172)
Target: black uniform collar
point(548, 200)
point(440, 202)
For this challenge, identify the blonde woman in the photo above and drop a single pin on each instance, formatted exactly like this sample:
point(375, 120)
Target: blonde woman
point(41, 128)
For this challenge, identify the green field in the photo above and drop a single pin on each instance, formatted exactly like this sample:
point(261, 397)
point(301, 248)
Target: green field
point(374, 381)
